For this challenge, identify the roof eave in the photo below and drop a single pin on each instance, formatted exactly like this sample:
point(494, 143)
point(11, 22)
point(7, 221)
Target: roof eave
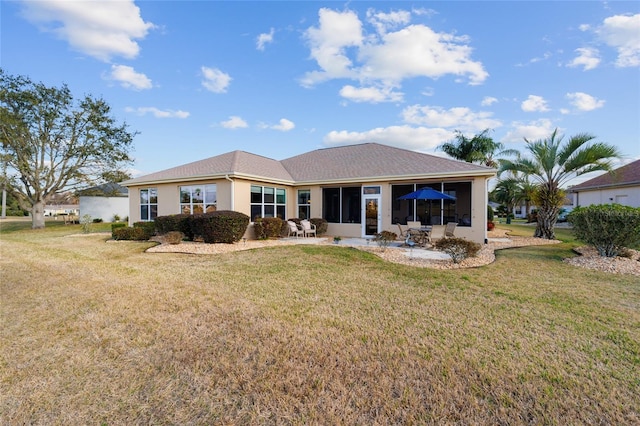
point(395, 178)
point(216, 176)
point(607, 186)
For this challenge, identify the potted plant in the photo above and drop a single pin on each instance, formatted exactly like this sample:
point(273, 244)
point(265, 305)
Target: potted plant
point(337, 239)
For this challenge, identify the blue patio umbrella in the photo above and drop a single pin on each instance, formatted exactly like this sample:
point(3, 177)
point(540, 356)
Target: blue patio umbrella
point(427, 193)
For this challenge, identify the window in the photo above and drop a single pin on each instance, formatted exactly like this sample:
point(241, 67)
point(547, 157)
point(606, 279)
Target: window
point(267, 201)
point(342, 205)
point(198, 199)
point(148, 204)
point(304, 203)
point(433, 212)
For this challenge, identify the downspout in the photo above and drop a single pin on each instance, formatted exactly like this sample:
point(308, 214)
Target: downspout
point(232, 192)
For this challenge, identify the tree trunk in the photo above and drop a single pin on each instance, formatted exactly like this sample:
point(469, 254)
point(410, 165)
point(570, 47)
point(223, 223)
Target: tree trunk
point(37, 215)
point(545, 228)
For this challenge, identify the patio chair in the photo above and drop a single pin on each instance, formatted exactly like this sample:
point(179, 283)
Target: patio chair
point(450, 229)
point(308, 228)
point(403, 232)
point(414, 224)
point(294, 230)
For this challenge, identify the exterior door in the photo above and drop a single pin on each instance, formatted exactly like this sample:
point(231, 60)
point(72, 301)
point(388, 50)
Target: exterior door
point(372, 219)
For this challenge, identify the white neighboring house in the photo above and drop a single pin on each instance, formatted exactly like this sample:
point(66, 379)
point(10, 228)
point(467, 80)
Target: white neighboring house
point(60, 209)
point(105, 202)
point(621, 186)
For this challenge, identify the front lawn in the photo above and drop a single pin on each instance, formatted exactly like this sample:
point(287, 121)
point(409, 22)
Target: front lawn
point(97, 332)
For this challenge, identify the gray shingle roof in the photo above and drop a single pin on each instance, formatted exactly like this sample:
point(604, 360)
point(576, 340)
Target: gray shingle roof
point(366, 161)
point(623, 176)
point(372, 160)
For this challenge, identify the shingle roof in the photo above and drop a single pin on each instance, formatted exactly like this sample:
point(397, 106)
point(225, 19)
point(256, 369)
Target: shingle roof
point(372, 160)
point(366, 161)
point(623, 176)
point(231, 163)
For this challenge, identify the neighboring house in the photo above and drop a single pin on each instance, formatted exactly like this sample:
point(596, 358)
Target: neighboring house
point(105, 202)
point(60, 209)
point(355, 188)
point(620, 186)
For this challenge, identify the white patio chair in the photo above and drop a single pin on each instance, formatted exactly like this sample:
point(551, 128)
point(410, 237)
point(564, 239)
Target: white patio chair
point(308, 228)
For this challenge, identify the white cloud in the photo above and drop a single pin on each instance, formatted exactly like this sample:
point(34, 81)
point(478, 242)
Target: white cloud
point(215, 80)
point(534, 104)
point(234, 122)
point(158, 113)
point(370, 94)
point(588, 58)
point(129, 78)
point(341, 50)
point(386, 21)
point(621, 33)
point(488, 101)
point(533, 130)
point(101, 29)
point(457, 118)
point(264, 38)
point(408, 137)
point(584, 102)
point(283, 125)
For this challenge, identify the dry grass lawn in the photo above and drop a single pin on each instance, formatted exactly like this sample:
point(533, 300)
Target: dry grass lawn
point(97, 332)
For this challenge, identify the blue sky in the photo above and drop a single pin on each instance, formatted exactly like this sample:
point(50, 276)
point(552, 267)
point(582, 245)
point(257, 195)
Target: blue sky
point(280, 78)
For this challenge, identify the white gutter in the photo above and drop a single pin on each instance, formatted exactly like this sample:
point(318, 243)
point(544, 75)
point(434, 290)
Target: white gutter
point(232, 192)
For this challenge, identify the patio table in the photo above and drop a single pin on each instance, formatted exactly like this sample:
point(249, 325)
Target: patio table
point(421, 236)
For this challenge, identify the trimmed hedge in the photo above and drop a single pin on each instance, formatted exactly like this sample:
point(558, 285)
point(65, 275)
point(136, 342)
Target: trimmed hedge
point(115, 226)
point(610, 228)
point(268, 227)
point(222, 226)
point(129, 233)
point(174, 222)
point(149, 228)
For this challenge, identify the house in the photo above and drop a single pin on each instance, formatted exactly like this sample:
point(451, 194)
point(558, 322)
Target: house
point(107, 202)
point(620, 186)
point(355, 188)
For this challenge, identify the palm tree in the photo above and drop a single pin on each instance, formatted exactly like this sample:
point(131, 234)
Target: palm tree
point(508, 193)
point(479, 149)
point(552, 165)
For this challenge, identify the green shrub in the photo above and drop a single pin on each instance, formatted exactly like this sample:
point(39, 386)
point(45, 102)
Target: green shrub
point(321, 225)
point(130, 234)
point(489, 213)
point(222, 226)
point(149, 228)
point(85, 221)
point(610, 228)
point(174, 222)
point(115, 226)
point(385, 238)
point(268, 227)
point(97, 220)
point(458, 248)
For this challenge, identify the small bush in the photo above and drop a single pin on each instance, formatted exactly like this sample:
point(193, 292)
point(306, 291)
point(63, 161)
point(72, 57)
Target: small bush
point(385, 238)
point(149, 228)
point(97, 220)
point(610, 228)
point(85, 221)
point(115, 226)
point(129, 234)
point(490, 213)
point(321, 225)
point(458, 248)
point(116, 218)
point(268, 227)
point(174, 237)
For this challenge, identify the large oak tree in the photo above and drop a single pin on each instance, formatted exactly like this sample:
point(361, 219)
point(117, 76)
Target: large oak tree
point(50, 142)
